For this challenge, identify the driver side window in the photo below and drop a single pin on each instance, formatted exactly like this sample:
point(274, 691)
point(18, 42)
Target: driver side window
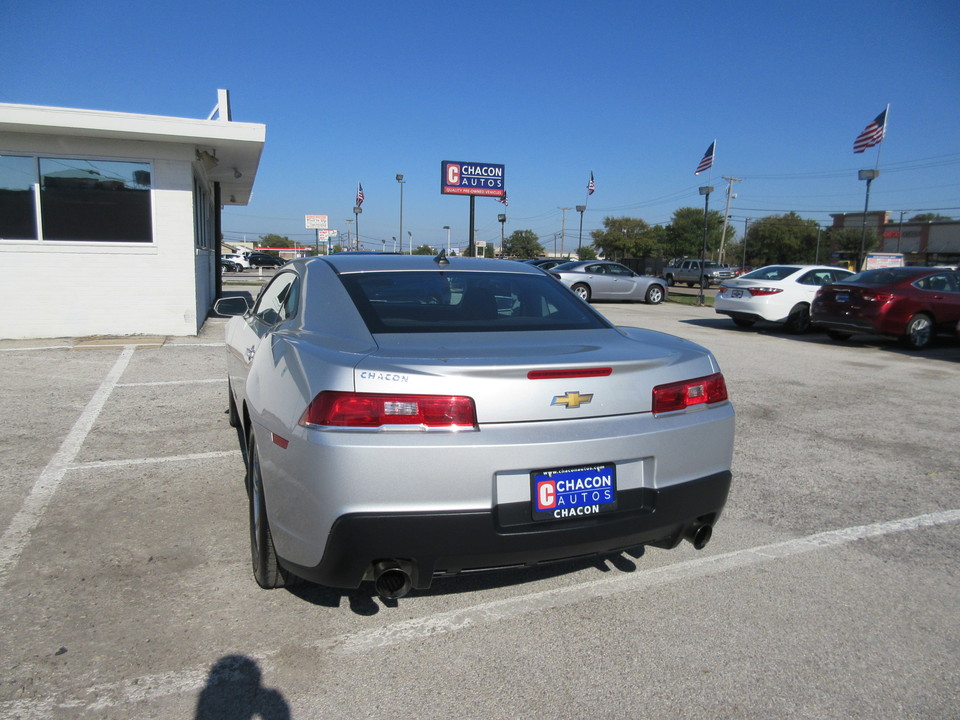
point(279, 300)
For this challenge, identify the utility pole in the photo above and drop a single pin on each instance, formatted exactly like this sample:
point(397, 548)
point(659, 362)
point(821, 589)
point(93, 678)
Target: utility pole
point(563, 227)
point(726, 214)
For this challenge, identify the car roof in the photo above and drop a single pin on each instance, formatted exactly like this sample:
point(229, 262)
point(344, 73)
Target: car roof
point(350, 263)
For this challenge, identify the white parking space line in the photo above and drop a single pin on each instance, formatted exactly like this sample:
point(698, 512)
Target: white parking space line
point(17, 534)
point(172, 382)
point(148, 461)
point(124, 693)
point(417, 629)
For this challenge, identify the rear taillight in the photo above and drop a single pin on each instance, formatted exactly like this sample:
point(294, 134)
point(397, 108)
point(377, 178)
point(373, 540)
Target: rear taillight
point(387, 411)
point(686, 394)
point(872, 296)
point(758, 291)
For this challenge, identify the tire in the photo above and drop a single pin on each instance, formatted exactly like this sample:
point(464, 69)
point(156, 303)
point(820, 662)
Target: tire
point(583, 291)
point(267, 571)
point(798, 321)
point(743, 322)
point(669, 280)
point(837, 335)
point(654, 295)
point(919, 332)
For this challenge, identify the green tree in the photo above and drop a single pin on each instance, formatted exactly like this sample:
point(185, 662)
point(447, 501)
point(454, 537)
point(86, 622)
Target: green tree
point(587, 253)
point(275, 241)
point(782, 239)
point(424, 250)
point(929, 217)
point(683, 237)
point(846, 242)
point(624, 237)
point(522, 244)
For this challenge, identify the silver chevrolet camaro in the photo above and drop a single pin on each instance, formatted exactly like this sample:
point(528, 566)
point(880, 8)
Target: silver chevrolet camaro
point(406, 417)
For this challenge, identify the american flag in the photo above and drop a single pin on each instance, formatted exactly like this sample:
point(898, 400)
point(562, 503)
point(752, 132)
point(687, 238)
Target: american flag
point(359, 194)
point(591, 186)
point(503, 198)
point(872, 134)
point(707, 161)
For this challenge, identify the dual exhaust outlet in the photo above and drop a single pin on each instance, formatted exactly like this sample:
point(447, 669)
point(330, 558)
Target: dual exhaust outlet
point(391, 578)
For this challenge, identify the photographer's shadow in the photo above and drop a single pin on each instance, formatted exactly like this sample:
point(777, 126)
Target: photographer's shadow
point(233, 692)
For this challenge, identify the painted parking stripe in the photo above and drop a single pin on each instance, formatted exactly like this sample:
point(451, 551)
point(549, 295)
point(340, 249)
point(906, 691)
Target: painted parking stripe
point(419, 628)
point(96, 464)
point(125, 693)
point(17, 534)
point(172, 382)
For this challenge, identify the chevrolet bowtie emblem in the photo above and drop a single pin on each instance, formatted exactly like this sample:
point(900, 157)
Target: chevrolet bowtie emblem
point(572, 399)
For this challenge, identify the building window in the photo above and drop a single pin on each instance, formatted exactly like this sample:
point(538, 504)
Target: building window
point(18, 215)
point(95, 200)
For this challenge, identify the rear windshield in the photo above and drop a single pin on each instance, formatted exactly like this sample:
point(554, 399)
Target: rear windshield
point(771, 272)
point(883, 276)
point(439, 301)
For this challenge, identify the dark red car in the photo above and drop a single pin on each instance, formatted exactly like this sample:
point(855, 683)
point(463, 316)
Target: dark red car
point(911, 303)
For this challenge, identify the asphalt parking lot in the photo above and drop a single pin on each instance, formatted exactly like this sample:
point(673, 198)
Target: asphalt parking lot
point(830, 588)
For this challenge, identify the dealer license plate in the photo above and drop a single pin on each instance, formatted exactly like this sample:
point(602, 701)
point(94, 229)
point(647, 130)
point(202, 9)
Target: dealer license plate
point(736, 293)
point(569, 493)
point(842, 297)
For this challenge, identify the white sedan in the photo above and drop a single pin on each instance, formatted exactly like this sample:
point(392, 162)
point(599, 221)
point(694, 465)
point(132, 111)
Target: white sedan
point(776, 293)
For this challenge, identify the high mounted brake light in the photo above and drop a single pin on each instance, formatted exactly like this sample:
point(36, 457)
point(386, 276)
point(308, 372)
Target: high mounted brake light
point(567, 373)
point(682, 395)
point(387, 411)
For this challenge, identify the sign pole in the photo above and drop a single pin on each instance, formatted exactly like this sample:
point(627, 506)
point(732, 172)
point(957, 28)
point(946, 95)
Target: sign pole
point(471, 238)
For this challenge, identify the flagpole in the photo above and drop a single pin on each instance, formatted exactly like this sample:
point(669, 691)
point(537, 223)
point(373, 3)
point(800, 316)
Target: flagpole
point(886, 120)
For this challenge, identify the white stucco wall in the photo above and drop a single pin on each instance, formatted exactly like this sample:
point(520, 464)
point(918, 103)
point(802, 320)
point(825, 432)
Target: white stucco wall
point(74, 289)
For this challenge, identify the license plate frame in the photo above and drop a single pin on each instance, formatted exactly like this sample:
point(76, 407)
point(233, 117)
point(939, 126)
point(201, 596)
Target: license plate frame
point(736, 293)
point(571, 493)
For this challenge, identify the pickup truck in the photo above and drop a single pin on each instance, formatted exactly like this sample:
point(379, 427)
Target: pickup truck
point(688, 271)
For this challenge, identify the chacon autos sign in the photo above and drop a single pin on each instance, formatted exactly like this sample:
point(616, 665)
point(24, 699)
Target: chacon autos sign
point(471, 178)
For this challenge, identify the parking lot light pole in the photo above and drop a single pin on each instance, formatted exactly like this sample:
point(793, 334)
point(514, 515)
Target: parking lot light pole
point(869, 176)
point(502, 218)
point(705, 191)
point(447, 228)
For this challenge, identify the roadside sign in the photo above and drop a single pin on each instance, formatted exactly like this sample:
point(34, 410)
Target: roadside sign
point(472, 178)
point(315, 222)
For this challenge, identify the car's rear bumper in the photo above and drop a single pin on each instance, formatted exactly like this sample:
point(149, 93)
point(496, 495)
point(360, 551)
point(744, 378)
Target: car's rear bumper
point(449, 542)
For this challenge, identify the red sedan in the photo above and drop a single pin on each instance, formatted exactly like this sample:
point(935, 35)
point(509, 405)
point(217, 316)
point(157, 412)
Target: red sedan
point(911, 303)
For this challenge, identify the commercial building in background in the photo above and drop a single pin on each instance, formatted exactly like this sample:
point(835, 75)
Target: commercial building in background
point(934, 242)
point(110, 222)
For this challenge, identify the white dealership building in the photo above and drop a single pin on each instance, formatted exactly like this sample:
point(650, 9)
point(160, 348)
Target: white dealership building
point(110, 222)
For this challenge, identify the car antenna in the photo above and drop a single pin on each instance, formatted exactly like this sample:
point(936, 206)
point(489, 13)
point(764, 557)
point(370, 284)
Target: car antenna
point(441, 258)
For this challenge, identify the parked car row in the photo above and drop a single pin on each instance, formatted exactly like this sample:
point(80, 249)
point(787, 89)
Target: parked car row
point(909, 303)
point(236, 262)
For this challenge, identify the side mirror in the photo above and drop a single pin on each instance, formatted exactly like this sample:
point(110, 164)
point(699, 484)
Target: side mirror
point(231, 306)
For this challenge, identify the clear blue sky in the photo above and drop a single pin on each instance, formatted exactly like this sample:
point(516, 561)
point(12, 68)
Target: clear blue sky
point(632, 91)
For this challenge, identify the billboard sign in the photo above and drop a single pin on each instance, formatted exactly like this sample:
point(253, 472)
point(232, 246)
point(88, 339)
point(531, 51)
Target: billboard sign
point(471, 178)
point(315, 222)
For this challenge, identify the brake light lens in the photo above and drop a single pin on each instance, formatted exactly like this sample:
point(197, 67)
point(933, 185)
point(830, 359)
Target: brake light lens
point(758, 291)
point(388, 411)
point(689, 393)
point(872, 296)
point(567, 373)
